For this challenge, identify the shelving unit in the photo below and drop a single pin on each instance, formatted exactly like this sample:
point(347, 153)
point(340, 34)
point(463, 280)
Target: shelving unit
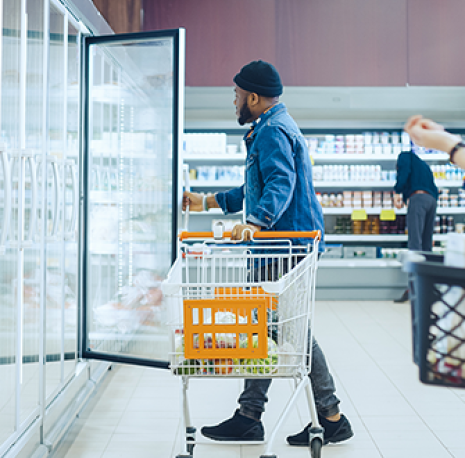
point(364, 158)
point(337, 278)
point(402, 211)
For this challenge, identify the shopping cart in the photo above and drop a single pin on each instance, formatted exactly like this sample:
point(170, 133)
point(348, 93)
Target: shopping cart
point(437, 295)
point(243, 310)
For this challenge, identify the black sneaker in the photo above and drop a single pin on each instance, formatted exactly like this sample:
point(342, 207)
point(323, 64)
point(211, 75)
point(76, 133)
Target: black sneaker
point(237, 428)
point(335, 431)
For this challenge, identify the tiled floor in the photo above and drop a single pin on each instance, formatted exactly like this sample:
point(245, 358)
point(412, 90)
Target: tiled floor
point(368, 346)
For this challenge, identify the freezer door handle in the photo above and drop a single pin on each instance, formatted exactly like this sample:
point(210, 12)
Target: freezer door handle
point(33, 217)
point(23, 156)
point(6, 200)
point(56, 179)
point(71, 232)
point(56, 204)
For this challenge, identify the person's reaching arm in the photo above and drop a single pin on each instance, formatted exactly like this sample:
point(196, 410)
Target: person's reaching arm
point(229, 201)
point(427, 133)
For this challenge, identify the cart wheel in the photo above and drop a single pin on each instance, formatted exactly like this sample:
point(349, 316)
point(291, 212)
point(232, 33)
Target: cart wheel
point(315, 447)
point(190, 449)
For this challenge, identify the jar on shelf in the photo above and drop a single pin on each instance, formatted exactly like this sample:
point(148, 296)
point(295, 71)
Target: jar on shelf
point(325, 200)
point(357, 227)
point(332, 200)
point(437, 225)
point(375, 225)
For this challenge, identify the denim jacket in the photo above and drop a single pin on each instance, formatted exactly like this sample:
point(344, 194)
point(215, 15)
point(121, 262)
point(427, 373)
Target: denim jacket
point(278, 189)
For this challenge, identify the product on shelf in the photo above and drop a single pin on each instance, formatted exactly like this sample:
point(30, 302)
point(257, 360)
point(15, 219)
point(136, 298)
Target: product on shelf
point(357, 199)
point(212, 173)
point(366, 143)
point(391, 253)
point(421, 150)
point(344, 172)
point(446, 224)
point(343, 225)
point(387, 199)
point(447, 172)
point(333, 251)
point(397, 226)
point(371, 226)
point(208, 143)
point(446, 199)
point(366, 252)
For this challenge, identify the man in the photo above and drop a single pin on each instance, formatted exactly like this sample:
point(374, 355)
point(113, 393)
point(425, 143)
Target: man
point(279, 195)
point(416, 188)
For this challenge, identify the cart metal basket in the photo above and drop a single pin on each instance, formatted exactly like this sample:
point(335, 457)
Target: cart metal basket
point(243, 310)
point(437, 294)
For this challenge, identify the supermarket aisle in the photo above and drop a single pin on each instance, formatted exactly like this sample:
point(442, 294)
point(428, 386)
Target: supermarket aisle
point(368, 347)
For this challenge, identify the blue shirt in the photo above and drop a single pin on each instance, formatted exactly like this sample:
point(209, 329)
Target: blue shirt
point(413, 174)
point(278, 189)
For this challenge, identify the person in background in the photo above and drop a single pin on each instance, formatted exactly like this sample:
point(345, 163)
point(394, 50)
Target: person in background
point(430, 134)
point(279, 196)
point(416, 188)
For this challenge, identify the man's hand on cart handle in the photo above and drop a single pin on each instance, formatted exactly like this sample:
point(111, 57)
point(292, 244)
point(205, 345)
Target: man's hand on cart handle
point(244, 231)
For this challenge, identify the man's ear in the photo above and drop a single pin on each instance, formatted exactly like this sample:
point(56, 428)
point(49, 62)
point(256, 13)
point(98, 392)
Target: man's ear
point(254, 99)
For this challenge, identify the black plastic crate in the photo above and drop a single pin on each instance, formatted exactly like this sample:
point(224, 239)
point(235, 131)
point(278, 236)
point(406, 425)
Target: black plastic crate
point(437, 296)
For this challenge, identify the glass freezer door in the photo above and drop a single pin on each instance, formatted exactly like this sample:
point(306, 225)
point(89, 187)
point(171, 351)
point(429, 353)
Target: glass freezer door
point(133, 113)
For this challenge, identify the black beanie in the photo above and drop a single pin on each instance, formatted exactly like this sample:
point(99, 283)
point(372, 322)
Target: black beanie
point(260, 77)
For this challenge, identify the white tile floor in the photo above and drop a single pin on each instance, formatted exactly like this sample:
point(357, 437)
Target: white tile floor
point(368, 346)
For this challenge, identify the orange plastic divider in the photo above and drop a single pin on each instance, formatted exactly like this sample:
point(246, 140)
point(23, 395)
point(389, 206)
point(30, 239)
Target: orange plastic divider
point(264, 235)
point(236, 291)
point(196, 344)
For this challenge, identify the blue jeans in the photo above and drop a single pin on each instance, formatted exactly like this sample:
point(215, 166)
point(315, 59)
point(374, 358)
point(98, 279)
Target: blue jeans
point(252, 400)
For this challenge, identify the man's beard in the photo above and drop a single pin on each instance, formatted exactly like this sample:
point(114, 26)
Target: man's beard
point(244, 114)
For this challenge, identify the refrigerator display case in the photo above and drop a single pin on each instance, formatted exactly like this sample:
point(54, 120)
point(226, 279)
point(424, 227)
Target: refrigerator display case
point(39, 160)
point(89, 206)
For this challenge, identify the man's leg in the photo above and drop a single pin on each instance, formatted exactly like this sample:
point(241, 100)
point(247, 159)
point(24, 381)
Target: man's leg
point(245, 424)
point(415, 227)
point(324, 388)
point(430, 219)
point(415, 222)
point(252, 400)
point(336, 426)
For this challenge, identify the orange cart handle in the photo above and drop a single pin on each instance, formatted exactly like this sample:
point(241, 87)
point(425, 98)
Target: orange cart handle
point(257, 235)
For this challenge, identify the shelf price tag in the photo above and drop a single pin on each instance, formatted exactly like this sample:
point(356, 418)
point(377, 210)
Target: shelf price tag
point(359, 215)
point(387, 215)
